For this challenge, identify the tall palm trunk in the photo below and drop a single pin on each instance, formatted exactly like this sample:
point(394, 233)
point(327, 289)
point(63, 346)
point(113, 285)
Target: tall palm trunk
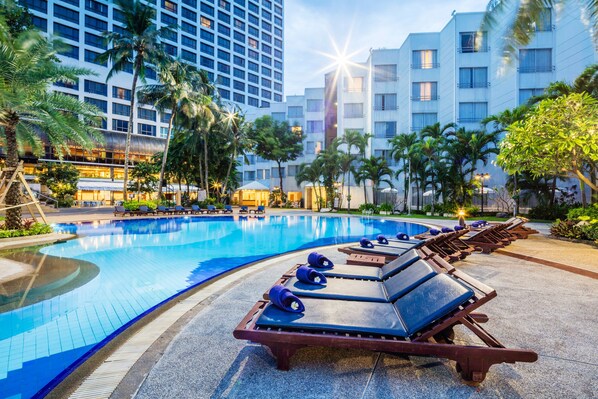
point(137, 66)
point(280, 178)
point(13, 197)
point(230, 167)
point(205, 161)
point(165, 156)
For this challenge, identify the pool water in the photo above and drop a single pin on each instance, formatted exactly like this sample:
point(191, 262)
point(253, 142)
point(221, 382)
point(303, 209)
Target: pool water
point(127, 268)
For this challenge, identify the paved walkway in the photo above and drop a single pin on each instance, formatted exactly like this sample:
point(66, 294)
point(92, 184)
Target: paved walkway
point(538, 308)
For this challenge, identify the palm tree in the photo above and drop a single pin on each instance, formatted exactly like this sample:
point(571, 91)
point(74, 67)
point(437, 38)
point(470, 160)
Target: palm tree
point(435, 131)
point(175, 93)
point(526, 14)
point(28, 67)
point(354, 138)
point(328, 161)
point(311, 173)
point(238, 143)
point(375, 169)
point(136, 46)
point(401, 150)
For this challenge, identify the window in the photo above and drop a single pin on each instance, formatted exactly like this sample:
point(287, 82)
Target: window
point(266, 37)
point(187, 41)
point(238, 97)
point(66, 14)
point(315, 105)
point(354, 84)
point(253, 7)
point(239, 25)
point(535, 60)
point(277, 53)
point(385, 102)
point(96, 24)
point(239, 61)
point(186, 13)
point(170, 35)
point(238, 73)
point(223, 55)
point(473, 42)
point(313, 147)
point(39, 23)
point(354, 110)
point(266, 49)
point(238, 36)
point(72, 86)
point(255, 91)
point(96, 7)
point(188, 56)
point(66, 31)
point(223, 81)
point(120, 125)
point(421, 120)
point(385, 73)
point(163, 132)
point(385, 129)
point(254, 55)
point(252, 43)
point(254, 102)
point(146, 130)
point(544, 23)
point(473, 77)
point(170, 49)
point(92, 57)
point(267, 26)
point(94, 40)
point(276, 173)
point(267, 14)
point(206, 9)
point(266, 60)
point(168, 19)
point(206, 22)
point(279, 116)
point(386, 155)
point(169, 6)
point(239, 12)
point(263, 174)
point(38, 5)
point(70, 51)
point(224, 29)
point(147, 114)
point(165, 117)
point(278, 32)
point(278, 65)
point(266, 82)
point(238, 85)
point(224, 4)
point(253, 31)
point(101, 104)
point(237, 48)
point(526, 94)
point(205, 35)
point(424, 91)
point(295, 112)
point(424, 59)
point(224, 17)
point(277, 86)
point(224, 94)
point(253, 78)
point(122, 93)
point(187, 27)
point(266, 94)
point(72, 2)
point(206, 48)
point(223, 68)
point(121, 109)
point(249, 175)
point(472, 112)
point(278, 75)
point(278, 43)
point(314, 127)
point(118, 15)
point(191, 3)
point(222, 42)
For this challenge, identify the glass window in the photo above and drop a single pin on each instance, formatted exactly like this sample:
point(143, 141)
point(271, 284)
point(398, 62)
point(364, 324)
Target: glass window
point(147, 114)
point(96, 41)
point(120, 125)
point(295, 112)
point(473, 42)
point(385, 73)
point(238, 73)
point(279, 116)
point(254, 102)
point(239, 61)
point(544, 23)
point(223, 68)
point(186, 13)
point(225, 30)
point(239, 37)
point(122, 93)
point(146, 130)
point(224, 17)
point(223, 81)
point(168, 19)
point(238, 85)
point(315, 105)
point(239, 25)
point(473, 77)
point(207, 9)
point(187, 41)
point(188, 56)
point(224, 94)
point(421, 120)
point(70, 51)
point(353, 110)
point(424, 91)
point(472, 112)
point(222, 42)
point(424, 59)
point(40, 23)
point(169, 6)
point(92, 57)
point(526, 94)
point(101, 104)
point(121, 109)
point(385, 129)
point(385, 102)
point(207, 36)
point(66, 31)
point(206, 22)
point(254, 90)
point(66, 14)
point(238, 97)
point(535, 60)
point(223, 55)
point(38, 5)
point(96, 24)
point(187, 27)
point(253, 78)
point(314, 127)
point(354, 84)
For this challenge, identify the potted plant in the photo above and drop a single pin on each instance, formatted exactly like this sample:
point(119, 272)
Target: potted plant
point(385, 209)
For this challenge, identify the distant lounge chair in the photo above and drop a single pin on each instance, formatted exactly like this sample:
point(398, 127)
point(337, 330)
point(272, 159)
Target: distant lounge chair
point(213, 209)
point(179, 210)
point(389, 252)
point(228, 209)
point(260, 209)
point(163, 210)
point(121, 211)
point(420, 323)
point(243, 209)
point(144, 210)
point(196, 210)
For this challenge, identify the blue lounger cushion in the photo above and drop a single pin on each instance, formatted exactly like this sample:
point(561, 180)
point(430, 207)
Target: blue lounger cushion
point(307, 275)
point(372, 273)
point(367, 291)
point(427, 303)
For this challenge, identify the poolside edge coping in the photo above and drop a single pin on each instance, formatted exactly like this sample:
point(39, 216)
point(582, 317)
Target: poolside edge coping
point(106, 377)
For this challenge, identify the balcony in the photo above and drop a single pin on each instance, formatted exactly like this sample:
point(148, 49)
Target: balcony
point(425, 98)
point(474, 49)
point(536, 69)
point(427, 65)
point(473, 85)
point(385, 108)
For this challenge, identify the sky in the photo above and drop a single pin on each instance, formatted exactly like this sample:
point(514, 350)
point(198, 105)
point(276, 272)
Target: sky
point(312, 27)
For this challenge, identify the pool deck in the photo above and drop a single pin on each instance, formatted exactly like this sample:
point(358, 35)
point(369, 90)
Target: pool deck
point(188, 351)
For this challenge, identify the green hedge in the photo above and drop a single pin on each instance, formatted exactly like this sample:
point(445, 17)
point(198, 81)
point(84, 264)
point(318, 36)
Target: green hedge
point(134, 205)
point(34, 230)
point(590, 212)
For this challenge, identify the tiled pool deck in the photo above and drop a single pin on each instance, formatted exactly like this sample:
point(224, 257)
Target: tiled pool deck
point(551, 311)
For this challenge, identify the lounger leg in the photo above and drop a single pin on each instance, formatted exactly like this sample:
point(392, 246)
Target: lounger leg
point(473, 369)
point(283, 353)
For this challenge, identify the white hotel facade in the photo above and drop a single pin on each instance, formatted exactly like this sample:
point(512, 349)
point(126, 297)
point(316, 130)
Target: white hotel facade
point(433, 77)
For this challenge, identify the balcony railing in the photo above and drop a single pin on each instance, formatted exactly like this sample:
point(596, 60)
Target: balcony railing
point(354, 89)
point(425, 98)
point(426, 65)
point(471, 85)
point(474, 49)
point(536, 69)
point(469, 120)
point(385, 108)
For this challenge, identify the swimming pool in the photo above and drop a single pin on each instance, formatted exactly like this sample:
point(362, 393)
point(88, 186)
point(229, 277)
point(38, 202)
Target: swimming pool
point(116, 272)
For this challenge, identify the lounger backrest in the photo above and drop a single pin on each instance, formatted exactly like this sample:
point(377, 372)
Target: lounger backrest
point(228, 207)
point(400, 263)
point(179, 208)
point(211, 207)
point(431, 301)
point(260, 208)
point(195, 207)
point(120, 209)
point(161, 208)
point(408, 279)
point(143, 208)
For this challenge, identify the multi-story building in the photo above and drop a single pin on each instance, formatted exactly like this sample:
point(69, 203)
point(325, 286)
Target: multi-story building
point(457, 75)
point(239, 43)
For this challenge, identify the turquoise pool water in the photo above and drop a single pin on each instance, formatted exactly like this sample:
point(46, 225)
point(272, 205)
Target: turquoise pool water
point(117, 271)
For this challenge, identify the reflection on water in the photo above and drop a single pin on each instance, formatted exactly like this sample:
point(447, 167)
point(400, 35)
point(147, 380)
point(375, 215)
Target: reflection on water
point(86, 289)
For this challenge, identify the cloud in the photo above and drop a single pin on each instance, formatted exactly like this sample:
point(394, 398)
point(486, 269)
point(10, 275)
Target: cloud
point(313, 26)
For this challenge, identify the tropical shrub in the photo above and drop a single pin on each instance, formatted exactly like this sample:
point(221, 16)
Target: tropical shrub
point(385, 207)
point(558, 210)
point(576, 213)
point(134, 205)
point(567, 229)
point(368, 207)
point(61, 179)
point(29, 229)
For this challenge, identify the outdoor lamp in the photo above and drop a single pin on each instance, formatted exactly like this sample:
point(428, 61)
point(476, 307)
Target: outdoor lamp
point(461, 214)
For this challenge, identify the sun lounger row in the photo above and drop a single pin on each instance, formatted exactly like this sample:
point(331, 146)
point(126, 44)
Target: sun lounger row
point(409, 306)
point(179, 210)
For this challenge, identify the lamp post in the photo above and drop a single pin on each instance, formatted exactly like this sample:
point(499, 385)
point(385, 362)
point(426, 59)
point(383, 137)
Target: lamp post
point(481, 177)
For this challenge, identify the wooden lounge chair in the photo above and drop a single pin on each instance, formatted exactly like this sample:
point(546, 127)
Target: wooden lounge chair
point(163, 210)
point(389, 252)
point(260, 209)
point(121, 211)
point(213, 209)
point(243, 209)
point(179, 210)
point(227, 209)
point(144, 210)
point(196, 210)
point(485, 240)
point(419, 324)
point(366, 260)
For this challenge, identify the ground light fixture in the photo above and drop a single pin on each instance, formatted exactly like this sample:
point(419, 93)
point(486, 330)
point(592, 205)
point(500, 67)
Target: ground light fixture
point(461, 215)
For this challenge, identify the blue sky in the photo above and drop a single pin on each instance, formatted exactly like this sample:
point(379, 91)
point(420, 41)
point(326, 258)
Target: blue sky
point(311, 26)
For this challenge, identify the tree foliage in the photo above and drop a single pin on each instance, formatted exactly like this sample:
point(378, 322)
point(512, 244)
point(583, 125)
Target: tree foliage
point(61, 179)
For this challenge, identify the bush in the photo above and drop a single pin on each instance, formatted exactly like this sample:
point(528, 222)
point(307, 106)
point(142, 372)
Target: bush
point(134, 205)
point(31, 229)
point(591, 212)
point(470, 211)
point(386, 207)
point(550, 212)
point(368, 207)
point(567, 229)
